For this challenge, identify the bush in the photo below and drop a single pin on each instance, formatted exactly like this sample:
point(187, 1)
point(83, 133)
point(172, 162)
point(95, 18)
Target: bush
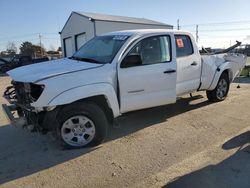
point(245, 71)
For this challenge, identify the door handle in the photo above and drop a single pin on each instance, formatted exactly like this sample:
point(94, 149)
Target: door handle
point(169, 71)
point(194, 63)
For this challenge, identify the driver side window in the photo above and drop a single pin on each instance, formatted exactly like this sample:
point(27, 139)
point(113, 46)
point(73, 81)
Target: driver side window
point(152, 50)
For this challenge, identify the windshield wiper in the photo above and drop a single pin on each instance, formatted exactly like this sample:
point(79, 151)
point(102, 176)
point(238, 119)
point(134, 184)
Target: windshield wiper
point(85, 59)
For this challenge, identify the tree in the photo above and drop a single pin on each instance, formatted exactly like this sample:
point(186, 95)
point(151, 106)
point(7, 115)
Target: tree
point(11, 49)
point(29, 49)
point(26, 48)
point(39, 51)
point(3, 54)
point(59, 49)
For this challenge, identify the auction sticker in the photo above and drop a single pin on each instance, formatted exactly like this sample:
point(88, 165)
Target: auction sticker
point(120, 37)
point(180, 43)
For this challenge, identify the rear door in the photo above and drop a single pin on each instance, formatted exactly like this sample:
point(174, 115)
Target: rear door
point(188, 65)
point(153, 83)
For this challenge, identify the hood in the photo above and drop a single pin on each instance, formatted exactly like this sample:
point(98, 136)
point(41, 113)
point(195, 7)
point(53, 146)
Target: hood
point(36, 72)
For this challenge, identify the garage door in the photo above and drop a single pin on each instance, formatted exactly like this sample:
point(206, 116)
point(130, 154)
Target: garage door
point(80, 40)
point(68, 47)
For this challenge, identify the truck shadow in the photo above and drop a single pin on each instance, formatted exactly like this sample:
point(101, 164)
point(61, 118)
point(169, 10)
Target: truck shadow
point(24, 153)
point(3, 75)
point(135, 121)
point(232, 172)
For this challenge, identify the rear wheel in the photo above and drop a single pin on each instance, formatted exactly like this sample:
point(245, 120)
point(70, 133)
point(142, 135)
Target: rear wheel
point(82, 124)
point(221, 90)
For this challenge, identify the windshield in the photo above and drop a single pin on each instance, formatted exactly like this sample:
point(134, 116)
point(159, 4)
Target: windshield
point(101, 49)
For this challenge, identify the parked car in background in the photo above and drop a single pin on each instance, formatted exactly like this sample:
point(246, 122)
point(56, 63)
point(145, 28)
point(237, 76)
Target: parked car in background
point(18, 61)
point(112, 74)
point(3, 65)
point(3, 61)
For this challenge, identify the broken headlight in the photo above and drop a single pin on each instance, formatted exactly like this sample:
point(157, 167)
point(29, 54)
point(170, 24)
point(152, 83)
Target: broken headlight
point(35, 91)
point(23, 93)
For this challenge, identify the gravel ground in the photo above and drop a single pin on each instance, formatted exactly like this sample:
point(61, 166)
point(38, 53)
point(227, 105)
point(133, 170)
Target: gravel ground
point(193, 143)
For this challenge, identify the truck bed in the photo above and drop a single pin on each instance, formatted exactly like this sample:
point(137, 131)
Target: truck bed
point(212, 64)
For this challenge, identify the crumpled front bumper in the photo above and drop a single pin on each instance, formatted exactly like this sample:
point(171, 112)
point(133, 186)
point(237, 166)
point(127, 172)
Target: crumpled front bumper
point(14, 121)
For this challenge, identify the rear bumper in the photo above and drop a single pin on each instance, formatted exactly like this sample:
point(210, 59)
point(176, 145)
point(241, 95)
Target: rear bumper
point(8, 109)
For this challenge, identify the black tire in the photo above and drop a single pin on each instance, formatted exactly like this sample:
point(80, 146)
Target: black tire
point(87, 109)
point(4, 69)
point(213, 95)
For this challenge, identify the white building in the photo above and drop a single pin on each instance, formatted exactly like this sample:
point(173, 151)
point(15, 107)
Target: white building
point(81, 26)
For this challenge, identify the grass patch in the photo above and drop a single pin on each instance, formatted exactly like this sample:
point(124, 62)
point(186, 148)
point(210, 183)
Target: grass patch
point(245, 71)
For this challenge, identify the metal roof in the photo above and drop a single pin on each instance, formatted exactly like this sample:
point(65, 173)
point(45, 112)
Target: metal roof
point(104, 17)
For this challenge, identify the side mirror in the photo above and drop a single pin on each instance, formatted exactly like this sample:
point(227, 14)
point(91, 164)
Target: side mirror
point(131, 61)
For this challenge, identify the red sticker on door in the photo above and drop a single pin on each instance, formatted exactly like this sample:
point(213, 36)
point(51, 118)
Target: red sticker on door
point(180, 43)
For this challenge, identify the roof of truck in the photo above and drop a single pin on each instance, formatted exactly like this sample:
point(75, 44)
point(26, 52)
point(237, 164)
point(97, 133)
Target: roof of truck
point(146, 31)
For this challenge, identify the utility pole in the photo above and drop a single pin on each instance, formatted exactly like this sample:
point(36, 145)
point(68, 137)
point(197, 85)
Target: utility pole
point(197, 33)
point(178, 24)
point(40, 40)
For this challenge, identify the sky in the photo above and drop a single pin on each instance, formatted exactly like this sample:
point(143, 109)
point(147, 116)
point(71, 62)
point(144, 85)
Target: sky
point(220, 22)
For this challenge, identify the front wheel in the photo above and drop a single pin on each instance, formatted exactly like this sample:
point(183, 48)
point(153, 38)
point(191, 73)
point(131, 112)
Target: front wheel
point(4, 69)
point(221, 90)
point(81, 124)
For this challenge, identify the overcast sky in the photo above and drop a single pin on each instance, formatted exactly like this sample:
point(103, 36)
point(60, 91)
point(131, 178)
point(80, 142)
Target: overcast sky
point(23, 20)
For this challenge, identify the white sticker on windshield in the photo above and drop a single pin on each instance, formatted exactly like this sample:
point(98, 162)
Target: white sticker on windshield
point(120, 37)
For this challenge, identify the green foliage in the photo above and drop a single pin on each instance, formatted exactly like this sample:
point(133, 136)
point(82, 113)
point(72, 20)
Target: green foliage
point(29, 49)
point(245, 71)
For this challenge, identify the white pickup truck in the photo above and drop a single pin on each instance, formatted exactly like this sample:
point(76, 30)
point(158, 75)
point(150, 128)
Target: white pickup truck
point(78, 97)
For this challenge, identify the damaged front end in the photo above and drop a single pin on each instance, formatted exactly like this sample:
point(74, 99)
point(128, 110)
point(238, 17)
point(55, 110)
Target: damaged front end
point(20, 96)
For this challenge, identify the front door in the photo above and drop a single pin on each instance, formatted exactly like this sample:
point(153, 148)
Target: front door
point(152, 81)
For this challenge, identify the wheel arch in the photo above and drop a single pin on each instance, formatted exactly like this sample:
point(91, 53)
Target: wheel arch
point(101, 94)
point(103, 103)
point(223, 70)
point(229, 73)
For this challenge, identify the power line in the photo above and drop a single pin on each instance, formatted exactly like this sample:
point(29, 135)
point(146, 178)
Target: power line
point(221, 36)
point(218, 23)
point(18, 36)
point(26, 35)
point(51, 38)
point(218, 30)
point(4, 43)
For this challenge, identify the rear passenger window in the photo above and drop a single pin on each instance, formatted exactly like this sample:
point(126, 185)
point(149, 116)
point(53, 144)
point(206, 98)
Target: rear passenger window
point(184, 45)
